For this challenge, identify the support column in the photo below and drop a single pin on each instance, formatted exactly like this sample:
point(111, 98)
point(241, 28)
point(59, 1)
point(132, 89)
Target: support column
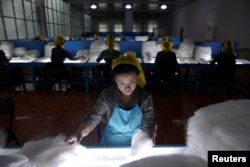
point(128, 21)
point(42, 14)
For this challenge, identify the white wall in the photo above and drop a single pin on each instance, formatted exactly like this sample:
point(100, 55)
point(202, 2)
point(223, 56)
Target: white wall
point(215, 20)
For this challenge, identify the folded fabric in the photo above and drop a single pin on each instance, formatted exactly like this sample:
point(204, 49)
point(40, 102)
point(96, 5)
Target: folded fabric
point(15, 161)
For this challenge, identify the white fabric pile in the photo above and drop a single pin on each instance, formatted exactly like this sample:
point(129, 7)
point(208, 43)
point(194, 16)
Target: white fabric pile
point(96, 48)
point(140, 143)
point(203, 53)
point(15, 161)
point(48, 48)
point(34, 53)
point(82, 54)
point(148, 49)
point(48, 152)
point(20, 51)
point(141, 38)
point(222, 126)
point(185, 49)
point(8, 48)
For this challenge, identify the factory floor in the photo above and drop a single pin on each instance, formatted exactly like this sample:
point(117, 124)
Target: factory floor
point(39, 115)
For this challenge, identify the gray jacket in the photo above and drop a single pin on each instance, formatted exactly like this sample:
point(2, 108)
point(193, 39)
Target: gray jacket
point(110, 97)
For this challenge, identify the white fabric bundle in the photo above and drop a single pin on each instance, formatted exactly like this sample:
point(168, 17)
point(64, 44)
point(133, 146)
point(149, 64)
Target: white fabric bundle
point(54, 152)
point(20, 51)
point(203, 53)
point(140, 143)
point(48, 48)
point(222, 126)
point(148, 49)
point(8, 48)
point(15, 161)
point(32, 53)
point(82, 54)
point(96, 48)
point(175, 160)
point(117, 47)
point(186, 49)
point(141, 38)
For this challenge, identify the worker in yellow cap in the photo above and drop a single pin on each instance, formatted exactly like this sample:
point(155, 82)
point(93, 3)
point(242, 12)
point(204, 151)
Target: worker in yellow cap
point(130, 58)
point(126, 106)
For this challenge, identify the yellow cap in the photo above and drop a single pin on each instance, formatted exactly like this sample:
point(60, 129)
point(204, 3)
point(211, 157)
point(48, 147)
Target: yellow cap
point(130, 58)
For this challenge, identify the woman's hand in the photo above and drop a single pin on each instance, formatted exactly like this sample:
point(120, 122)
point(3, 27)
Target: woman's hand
point(152, 134)
point(82, 131)
point(73, 139)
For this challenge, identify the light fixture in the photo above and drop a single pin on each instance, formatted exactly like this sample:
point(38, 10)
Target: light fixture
point(93, 6)
point(128, 6)
point(163, 6)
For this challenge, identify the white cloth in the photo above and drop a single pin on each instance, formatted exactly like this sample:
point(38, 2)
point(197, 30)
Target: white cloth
point(48, 49)
point(54, 152)
point(140, 143)
point(96, 48)
point(20, 51)
point(185, 49)
point(148, 49)
point(203, 53)
point(222, 126)
point(15, 161)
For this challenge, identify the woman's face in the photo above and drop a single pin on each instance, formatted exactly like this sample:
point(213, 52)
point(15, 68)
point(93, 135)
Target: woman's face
point(126, 83)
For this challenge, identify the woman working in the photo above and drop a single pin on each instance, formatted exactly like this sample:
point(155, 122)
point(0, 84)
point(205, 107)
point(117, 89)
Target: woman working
point(126, 106)
point(110, 53)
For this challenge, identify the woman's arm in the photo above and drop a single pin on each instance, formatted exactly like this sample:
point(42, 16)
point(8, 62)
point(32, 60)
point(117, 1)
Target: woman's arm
point(148, 123)
point(90, 121)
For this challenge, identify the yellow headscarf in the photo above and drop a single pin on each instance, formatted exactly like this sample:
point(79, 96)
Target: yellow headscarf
point(130, 58)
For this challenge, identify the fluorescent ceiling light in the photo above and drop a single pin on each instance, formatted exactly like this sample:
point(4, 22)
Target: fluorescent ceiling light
point(128, 6)
point(93, 6)
point(164, 6)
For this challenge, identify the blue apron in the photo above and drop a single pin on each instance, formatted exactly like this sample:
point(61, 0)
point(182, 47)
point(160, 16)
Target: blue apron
point(121, 127)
